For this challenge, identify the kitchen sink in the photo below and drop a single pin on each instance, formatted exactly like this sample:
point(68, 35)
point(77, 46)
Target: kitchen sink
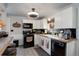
point(52, 36)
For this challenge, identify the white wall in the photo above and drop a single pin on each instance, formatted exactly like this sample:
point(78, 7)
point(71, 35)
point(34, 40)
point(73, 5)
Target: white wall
point(17, 32)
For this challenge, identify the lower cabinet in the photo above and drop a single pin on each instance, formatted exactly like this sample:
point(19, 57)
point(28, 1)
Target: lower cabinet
point(54, 47)
point(37, 40)
point(46, 44)
point(71, 48)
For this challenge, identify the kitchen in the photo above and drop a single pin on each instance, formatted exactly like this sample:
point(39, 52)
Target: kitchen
point(51, 32)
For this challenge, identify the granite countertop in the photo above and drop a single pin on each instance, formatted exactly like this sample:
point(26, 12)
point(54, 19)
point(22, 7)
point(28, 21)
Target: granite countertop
point(41, 33)
point(4, 42)
point(53, 37)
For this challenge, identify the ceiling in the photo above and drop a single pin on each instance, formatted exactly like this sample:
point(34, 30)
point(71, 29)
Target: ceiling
point(44, 9)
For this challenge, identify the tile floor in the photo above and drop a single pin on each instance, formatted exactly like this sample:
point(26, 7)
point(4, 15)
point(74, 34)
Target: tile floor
point(26, 52)
point(32, 51)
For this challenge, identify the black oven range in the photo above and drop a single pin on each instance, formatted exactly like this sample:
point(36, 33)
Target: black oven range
point(28, 40)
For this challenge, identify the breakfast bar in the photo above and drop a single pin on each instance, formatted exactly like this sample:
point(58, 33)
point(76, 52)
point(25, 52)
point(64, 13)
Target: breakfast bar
point(4, 43)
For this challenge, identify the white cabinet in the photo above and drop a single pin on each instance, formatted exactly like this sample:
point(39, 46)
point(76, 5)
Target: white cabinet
point(70, 49)
point(37, 24)
point(45, 25)
point(77, 35)
point(42, 43)
point(27, 21)
point(40, 24)
point(58, 22)
point(39, 43)
point(36, 39)
point(46, 44)
point(66, 18)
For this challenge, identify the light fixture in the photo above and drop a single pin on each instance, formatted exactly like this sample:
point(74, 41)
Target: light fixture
point(33, 14)
point(49, 20)
point(2, 23)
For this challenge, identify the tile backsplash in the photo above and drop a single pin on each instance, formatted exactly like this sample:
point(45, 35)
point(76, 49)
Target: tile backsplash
point(72, 30)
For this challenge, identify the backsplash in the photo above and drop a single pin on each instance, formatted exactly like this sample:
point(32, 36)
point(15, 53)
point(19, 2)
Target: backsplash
point(66, 30)
point(38, 30)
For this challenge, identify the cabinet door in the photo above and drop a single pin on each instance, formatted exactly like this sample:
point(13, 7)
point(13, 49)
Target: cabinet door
point(42, 42)
point(67, 18)
point(48, 45)
point(36, 24)
point(39, 40)
point(70, 48)
point(45, 25)
point(58, 22)
point(41, 24)
point(27, 21)
point(36, 40)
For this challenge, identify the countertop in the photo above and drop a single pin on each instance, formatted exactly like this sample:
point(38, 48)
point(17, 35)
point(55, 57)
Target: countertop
point(4, 43)
point(53, 37)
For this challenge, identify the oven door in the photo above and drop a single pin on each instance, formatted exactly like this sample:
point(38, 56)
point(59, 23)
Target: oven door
point(28, 25)
point(28, 41)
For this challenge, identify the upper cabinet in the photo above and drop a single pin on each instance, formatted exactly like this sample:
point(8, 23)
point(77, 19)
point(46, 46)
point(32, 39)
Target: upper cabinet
point(66, 18)
point(45, 25)
point(40, 24)
point(27, 21)
point(37, 24)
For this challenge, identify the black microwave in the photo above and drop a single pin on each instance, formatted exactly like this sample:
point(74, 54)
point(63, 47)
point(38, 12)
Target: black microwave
point(28, 25)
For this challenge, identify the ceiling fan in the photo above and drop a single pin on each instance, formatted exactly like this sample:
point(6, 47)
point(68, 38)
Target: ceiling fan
point(34, 15)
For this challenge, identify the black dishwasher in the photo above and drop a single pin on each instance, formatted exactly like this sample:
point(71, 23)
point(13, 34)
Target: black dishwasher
point(58, 48)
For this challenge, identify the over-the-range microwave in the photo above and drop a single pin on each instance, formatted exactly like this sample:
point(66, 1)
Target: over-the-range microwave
point(27, 25)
